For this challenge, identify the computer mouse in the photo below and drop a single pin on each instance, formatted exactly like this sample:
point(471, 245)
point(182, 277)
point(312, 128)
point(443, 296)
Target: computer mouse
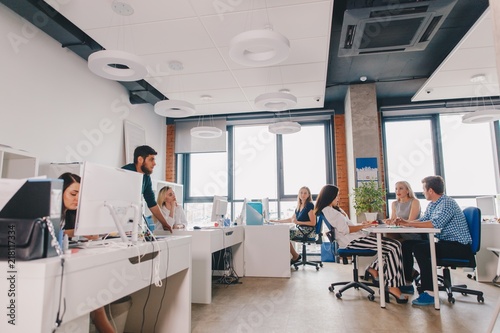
point(196, 227)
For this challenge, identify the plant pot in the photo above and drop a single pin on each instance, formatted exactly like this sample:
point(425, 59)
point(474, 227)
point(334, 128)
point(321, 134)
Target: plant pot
point(371, 216)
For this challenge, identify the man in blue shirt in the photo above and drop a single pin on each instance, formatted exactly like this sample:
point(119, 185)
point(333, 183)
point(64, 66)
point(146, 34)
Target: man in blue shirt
point(454, 239)
point(144, 162)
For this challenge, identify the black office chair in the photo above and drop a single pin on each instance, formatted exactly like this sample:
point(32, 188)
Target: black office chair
point(308, 237)
point(344, 254)
point(473, 217)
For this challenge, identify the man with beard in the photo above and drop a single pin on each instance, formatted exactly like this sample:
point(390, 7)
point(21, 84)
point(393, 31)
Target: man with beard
point(144, 162)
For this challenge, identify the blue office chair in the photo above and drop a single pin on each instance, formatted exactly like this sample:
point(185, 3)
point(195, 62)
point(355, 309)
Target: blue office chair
point(473, 217)
point(308, 237)
point(344, 254)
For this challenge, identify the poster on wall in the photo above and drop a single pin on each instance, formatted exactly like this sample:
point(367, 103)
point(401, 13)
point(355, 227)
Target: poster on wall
point(135, 136)
point(366, 169)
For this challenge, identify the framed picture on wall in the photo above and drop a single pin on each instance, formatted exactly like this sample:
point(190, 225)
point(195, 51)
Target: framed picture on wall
point(135, 136)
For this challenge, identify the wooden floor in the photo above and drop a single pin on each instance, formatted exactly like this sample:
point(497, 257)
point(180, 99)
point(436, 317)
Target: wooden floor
point(303, 303)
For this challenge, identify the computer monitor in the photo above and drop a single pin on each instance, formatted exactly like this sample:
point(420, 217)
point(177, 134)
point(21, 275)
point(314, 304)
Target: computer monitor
point(253, 215)
point(109, 201)
point(488, 207)
point(219, 208)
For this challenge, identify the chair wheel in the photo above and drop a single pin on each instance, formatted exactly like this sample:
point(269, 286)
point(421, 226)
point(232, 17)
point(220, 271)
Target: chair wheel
point(339, 295)
point(371, 297)
point(331, 289)
point(480, 299)
point(296, 268)
point(321, 264)
point(451, 299)
point(317, 268)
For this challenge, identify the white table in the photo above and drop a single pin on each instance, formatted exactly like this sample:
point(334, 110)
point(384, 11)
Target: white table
point(97, 276)
point(267, 250)
point(486, 261)
point(205, 242)
point(496, 251)
point(379, 231)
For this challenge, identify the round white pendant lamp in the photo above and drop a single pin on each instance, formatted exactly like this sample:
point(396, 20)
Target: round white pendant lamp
point(174, 108)
point(256, 48)
point(284, 127)
point(206, 132)
point(117, 65)
point(481, 116)
point(277, 101)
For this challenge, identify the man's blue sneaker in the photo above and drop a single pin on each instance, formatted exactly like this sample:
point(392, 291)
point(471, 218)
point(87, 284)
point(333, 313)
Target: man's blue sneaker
point(407, 289)
point(423, 299)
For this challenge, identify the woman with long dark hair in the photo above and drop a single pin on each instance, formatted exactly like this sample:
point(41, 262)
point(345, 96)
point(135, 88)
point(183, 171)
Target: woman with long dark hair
point(351, 236)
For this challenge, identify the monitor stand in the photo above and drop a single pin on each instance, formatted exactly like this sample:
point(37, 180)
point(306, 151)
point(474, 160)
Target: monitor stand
point(119, 222)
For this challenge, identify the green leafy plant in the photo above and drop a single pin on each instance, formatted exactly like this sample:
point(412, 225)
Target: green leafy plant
point(369, 197)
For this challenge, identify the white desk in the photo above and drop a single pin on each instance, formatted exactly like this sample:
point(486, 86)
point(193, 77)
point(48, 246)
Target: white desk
point(486, 261)
point(95, 277)
point(205, 242)
point(393, 230)
point(267, 250)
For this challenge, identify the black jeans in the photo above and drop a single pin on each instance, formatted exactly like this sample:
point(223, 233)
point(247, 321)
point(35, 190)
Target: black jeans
point(444, 249)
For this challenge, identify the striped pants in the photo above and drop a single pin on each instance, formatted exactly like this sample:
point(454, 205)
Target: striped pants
point(392, 254)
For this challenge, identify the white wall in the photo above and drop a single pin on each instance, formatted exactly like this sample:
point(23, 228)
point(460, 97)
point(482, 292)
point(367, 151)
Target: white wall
point(52, 106)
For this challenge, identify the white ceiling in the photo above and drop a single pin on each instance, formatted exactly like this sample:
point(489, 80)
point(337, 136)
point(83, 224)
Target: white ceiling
point(474, 55)
point(198, 32)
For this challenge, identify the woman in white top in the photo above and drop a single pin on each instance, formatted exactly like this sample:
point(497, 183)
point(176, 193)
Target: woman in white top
point(351, 236)
point(173, 212)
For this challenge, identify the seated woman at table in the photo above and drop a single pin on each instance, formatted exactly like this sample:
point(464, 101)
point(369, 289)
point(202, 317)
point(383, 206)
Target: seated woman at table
point(71, 189)
point(351, 236)
point(304, 216)
point(171, 210)
point(407, 207)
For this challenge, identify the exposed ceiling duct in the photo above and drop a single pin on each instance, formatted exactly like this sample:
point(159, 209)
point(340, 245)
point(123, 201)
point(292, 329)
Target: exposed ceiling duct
point(47, 19)
point(383, 26)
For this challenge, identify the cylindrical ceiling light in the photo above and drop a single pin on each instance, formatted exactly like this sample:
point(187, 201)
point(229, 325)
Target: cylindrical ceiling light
point(174, 108)
point(117, 65)
point(206, 132)
point(284, 127)
point(256, 48)
point(277, 101)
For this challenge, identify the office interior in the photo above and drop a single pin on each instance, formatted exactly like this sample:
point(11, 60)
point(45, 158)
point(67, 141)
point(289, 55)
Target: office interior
point(56, 109)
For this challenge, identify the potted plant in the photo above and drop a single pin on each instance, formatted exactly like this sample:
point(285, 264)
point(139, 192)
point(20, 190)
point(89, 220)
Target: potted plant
point(369, 197)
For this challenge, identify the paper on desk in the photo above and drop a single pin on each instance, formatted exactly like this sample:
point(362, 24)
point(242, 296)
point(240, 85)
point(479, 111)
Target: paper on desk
point(9, 187)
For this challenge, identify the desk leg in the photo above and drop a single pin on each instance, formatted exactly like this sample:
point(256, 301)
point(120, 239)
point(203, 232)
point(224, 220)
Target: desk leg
point(434, 271)
point(381, 276)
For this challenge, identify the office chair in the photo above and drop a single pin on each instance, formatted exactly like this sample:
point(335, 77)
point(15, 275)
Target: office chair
point(344, 254)
point(308, 238)
point(473, 217)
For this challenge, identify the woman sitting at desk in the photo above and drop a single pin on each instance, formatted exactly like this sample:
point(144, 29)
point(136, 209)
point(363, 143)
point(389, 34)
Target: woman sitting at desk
point(351, 236)
point(71, 189)
point(173, 212)
point(304, 216)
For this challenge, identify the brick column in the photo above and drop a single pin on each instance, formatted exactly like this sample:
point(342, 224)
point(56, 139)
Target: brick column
point(170, 155)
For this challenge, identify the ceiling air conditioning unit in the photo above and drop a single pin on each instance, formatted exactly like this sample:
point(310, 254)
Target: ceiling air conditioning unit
point(391, 26)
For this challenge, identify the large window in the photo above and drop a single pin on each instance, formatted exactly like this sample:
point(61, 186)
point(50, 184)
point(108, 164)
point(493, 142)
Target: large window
point(304, 160)
point(465, 155)
point(259, 165)
point(254, 170)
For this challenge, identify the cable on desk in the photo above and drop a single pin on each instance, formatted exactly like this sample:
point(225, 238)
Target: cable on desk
point(164, 290)
point(149, 293)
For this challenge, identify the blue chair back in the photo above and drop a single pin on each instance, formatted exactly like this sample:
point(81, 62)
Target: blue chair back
point(473, 217)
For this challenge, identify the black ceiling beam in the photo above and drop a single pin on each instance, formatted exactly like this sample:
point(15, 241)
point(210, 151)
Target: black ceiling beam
point(50, 21)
